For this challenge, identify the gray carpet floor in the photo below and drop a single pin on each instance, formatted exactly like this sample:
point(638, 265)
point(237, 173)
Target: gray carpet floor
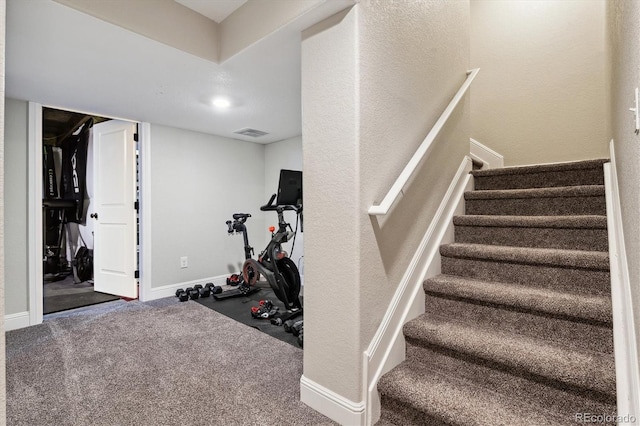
point(156, 363)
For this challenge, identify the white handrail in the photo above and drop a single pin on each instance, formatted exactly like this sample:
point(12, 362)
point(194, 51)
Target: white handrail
point(395, 190)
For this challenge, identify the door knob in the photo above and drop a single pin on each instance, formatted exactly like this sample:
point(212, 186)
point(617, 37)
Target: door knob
point(94, 215)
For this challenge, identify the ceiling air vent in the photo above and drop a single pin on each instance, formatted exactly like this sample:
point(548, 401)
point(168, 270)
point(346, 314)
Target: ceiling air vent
point(251, 132)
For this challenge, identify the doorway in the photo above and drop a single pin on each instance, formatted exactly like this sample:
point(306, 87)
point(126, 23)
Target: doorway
point(67, 174)
point(89, 210)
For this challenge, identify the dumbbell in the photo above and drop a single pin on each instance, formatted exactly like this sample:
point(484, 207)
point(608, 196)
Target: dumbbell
point(300, 339)
point(296, 328)
point(289, 324)
point(182, 295)
point(202, 291)
point(214, 289)
point(193, 293)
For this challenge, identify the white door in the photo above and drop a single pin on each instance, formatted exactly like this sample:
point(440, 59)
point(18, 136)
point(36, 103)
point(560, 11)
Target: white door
point(114, 161)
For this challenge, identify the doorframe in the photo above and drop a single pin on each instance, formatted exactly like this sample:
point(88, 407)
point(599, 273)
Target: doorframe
point(34, 225)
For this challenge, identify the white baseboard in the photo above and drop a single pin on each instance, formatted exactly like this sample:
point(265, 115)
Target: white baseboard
point(624, 334)
point(329, 403)
point(170, 290)
point(387, 348)
point(489, 157)
point(16, 321)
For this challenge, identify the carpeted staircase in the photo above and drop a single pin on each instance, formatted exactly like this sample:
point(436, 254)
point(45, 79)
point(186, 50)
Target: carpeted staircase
point(518, 328)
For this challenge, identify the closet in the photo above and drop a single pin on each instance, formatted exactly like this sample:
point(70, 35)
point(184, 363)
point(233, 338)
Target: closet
point(67, 174)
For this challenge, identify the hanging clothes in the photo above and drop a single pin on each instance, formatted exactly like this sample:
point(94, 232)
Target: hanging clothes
point(74, 172)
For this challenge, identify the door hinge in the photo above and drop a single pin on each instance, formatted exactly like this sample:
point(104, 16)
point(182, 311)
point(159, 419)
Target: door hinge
point(135, 137)
point(136, 274)
point(136, 206)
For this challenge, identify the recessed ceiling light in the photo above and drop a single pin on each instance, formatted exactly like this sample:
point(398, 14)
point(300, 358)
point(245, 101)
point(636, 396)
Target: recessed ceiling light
point(221, 103)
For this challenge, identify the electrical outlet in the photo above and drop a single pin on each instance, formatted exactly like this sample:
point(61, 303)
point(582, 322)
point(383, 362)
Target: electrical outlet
point(184, 262)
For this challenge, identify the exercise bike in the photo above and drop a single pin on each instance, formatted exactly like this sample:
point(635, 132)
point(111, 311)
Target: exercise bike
point(243, 289)
point(274, 264)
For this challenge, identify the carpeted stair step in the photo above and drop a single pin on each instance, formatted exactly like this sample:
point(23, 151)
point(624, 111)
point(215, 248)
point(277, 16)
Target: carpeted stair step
point(519, 297)
point(517, 327)
point(562, 232)
point(568, 333)
point(439, 387)
point(573, 271)
point(559, 201)
point(527, 357)
point(541, 176)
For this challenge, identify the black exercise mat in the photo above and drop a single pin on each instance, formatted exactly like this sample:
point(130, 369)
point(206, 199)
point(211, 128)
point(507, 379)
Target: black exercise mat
point(64, 302)
point(239, 309)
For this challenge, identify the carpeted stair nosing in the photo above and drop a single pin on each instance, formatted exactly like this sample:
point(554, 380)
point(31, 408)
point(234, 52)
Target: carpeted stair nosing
point(576, 259)
point(453, 401)
point(532, 299)
point(530, 233)
point(556, 222)
point(580, 369)
point(551, 192)
point(519, 393)
point(541, 168)
point(571, 334)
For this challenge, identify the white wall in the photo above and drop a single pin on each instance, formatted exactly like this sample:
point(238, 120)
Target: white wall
point(172, 24)
point(15, 206)
point(624, 39)
point(286, 154)
point(374, 81)
point(542, 92)
point(197, 182)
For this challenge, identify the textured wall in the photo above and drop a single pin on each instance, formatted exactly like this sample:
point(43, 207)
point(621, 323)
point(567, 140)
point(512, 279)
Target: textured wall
point(329, 131)
point(197, 182)
point(425, 48)
point(624, 39)
point(15, 207)
point(374, 82)
point(3, 387)
point(542, 94)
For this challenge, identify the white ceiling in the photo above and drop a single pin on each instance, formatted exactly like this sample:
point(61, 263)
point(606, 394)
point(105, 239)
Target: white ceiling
point(216, 10)
point(63, 58)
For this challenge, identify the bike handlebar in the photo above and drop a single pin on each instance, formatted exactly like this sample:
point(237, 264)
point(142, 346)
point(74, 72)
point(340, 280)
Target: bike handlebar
point(270, 207)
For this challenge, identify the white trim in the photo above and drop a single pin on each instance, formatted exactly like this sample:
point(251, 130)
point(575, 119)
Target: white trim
point(144, 173)
point(397, 187)
point(483, 153)
point(34, 220)
point(170, 289)
point(329, 403)
point(624, 334)
point(34, 173)
point(387, 348)
point(16, 321)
